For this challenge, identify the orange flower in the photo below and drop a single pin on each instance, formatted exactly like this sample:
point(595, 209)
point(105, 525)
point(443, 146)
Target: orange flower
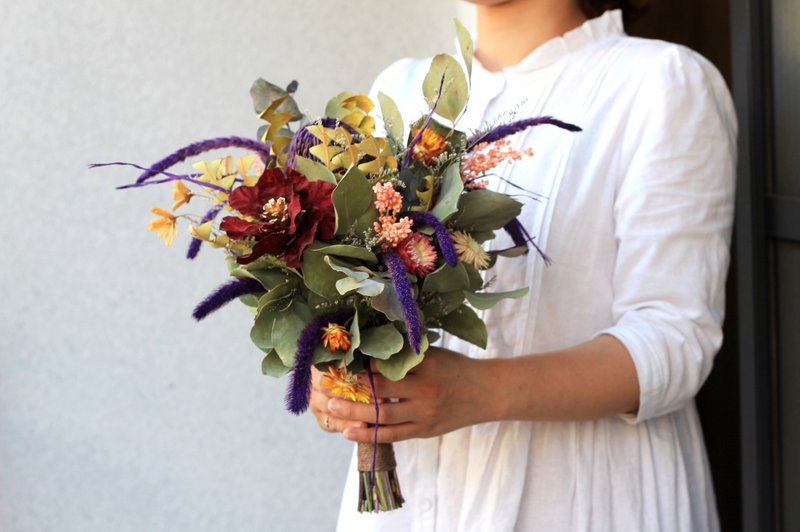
point(181, 194)
point(430, 145)
point(335, 337)
point(343, 383)
point(166, 225)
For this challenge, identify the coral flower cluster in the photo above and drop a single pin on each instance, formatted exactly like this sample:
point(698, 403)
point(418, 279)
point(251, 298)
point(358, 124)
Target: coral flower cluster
point(388, 201)
point(487, 156)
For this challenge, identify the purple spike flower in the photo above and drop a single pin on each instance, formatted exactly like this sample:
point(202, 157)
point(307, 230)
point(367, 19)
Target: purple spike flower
point(442, 235)
point(194, 246)
point(300, 380)
point(197, 148)
point(225, 294)
point(522, 238)
point(415, 140)
point(505, 130)
point(405, 294)
point(303, 140)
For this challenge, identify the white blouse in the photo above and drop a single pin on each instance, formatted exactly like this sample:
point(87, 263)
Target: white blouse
point(636, 214)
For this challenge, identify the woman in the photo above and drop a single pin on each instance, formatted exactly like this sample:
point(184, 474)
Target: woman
point(580, 414)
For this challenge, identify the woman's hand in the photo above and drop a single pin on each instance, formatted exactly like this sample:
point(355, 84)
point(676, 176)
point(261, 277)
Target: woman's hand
point(318, 404)
point(442, 394)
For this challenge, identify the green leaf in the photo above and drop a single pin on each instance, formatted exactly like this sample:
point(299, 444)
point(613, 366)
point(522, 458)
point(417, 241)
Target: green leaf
point(446, 279)
point(261, 332)
point(482, 210)
point(450, 191)
point(396, 366)
point(356, 280)
point(351, 252)
point(441, 304)
point(352, 197)
point(512, 252)
point(484, 300)
point(392, 119)
point(464, 323)
point(317, 275)
point(287, 328)
point(313, 170)
point(282, 291)
point(433, 336)
point(454, 89)
point(355, 339)
point(273, 366)
point(387, 303)
point(381, 342)
point(475, 279)
point(466, 45)
point(264, 93)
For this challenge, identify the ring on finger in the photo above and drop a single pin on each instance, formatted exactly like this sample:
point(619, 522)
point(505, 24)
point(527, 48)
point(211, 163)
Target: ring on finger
point(327, 422)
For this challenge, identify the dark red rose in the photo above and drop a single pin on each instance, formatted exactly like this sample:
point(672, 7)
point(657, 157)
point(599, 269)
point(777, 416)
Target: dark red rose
point(283, 213)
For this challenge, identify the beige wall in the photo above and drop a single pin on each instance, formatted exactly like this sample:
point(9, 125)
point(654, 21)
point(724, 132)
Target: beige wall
point(117, 412)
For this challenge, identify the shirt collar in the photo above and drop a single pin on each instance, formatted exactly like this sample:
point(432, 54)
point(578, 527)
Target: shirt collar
point(590, 32)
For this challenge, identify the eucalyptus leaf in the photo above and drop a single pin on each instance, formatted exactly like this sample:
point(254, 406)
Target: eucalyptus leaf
point(351, 252)
point(264, 93)
point(392, 119)
point(433, 336)
point(323, 355)
point(465, 324)
point(475, 279)
point(485, 300)
point(355, 339)
point(387, 303)
point(356, 280)
point(446, 279)
point(450, 190)
point(317, 275)
point(273, 366)
point(381, 342)
point(466, 45)
point(286, 330)
point(313, 170)
point(352, 197)
point(481, 210)
point(398, 365)
point(454, 89)
point(261, 332)
point(442, 304)
point(517, 251)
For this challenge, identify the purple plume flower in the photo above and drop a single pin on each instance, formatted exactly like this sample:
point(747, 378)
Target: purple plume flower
point(505, 130)
point(197, 148)
point(405, 294)
point(522, 238)
point(194, 246)
point(303, 140)
point(225, 294)
point(300, 380)
point(415, 140)
point(442, 235)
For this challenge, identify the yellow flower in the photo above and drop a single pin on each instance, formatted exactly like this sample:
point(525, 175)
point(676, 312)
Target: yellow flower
point(429, 147)
point(343, 383)
point(470, 251)
point(335, 337)
point(166, 225)
point(181, 194)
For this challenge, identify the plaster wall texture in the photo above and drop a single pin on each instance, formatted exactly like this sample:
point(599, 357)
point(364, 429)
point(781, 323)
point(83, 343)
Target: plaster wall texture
point(117, 411)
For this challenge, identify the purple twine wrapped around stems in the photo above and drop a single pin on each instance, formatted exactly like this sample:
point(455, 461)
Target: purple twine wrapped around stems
point(300, 380)
point(505, 130)
point(225, 294)
point(202, 146)
point(405, 295)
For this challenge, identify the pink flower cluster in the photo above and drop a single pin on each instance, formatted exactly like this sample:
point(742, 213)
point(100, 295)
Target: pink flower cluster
point(388, 202)
point(485, 157)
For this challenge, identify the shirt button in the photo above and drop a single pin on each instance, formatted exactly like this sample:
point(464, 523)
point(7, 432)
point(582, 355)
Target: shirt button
point(426, 505)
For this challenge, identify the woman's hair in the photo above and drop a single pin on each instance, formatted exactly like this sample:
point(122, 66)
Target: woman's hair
point(631, 9)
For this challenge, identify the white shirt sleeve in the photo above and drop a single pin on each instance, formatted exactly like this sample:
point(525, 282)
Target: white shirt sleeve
point(673, 216)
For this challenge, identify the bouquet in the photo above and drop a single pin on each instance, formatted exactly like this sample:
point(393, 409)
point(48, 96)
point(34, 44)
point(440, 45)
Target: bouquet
point(353, 249)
